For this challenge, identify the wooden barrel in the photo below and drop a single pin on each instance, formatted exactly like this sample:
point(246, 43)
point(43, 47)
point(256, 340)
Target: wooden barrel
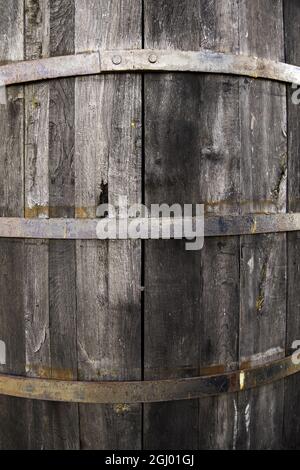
point(130, 344)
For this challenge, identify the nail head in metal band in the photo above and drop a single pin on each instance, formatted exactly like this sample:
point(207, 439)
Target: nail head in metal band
point(116, 60)
point(152, 58)
point(139, 61)
point(147, 391)
point(86, 229)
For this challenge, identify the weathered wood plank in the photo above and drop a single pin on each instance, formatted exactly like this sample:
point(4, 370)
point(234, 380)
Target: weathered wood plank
point(292, 385)
point(62, 271)
point(37, 113)
point(219, 189)
point(179, 124)
point(220, 160)
point(108, 164)
point(263, 258)
point(12, 276)
point(36, 311)
point(37, 340)
point(170, 349)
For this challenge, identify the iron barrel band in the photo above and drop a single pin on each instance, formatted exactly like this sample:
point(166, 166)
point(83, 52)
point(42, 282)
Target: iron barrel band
point(147, 391)
point(86, 229)
point(143, 60)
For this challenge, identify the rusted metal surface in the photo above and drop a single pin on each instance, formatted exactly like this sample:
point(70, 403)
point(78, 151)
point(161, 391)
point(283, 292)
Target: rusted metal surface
point(251, 224)
point(148, 391)
point(82, 229)
point(54, 67)
point(200, 61)
point(148, 60)
point(86, 229)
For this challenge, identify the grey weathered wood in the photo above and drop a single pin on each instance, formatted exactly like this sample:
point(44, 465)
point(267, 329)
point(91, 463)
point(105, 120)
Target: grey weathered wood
point(263, 258)
point(62, 272)
point(12, 266)
point(37, 113)
point(108, 164)
point(178, 126)
point(292, 385)
point(170, 316)
point(37, 340)
point(219, 187)
point(36, 292)
point(49, 322)
point(219, 140)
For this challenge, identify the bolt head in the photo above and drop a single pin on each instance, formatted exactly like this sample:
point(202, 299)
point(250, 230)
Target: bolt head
point(152, 58)
point(116, 59)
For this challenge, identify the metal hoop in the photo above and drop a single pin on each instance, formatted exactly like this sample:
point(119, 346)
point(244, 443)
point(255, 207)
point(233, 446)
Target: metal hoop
point(86, 229)
point(147, 61)
point(148, 391)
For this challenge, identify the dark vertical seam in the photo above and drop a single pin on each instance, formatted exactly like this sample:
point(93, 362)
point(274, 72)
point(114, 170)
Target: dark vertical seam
point(142, 241)
point(287, 210)
point(240, 240)
point(287, 154)
point(24, 108)
point(49, 214)
point(76, 276)
point(24, 202)
point(201, 287)
point(76, 241)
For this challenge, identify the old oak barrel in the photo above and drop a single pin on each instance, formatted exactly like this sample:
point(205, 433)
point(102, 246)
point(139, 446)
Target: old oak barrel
point(140, 343)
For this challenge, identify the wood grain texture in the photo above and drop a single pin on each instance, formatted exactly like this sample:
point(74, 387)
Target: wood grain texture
point(12, 262)
point(222, 141)
point(292, 385)
point(36, 292)
point(170, 312)
point(191, 157)
point(108, 164)
point(50, 276)
point(220, 152)
point(62, 261)
point(263, 258)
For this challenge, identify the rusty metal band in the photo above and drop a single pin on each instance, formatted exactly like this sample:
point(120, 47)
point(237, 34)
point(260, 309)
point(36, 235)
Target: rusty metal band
point(86, 229)
point(147, 61)
point(147, 391)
